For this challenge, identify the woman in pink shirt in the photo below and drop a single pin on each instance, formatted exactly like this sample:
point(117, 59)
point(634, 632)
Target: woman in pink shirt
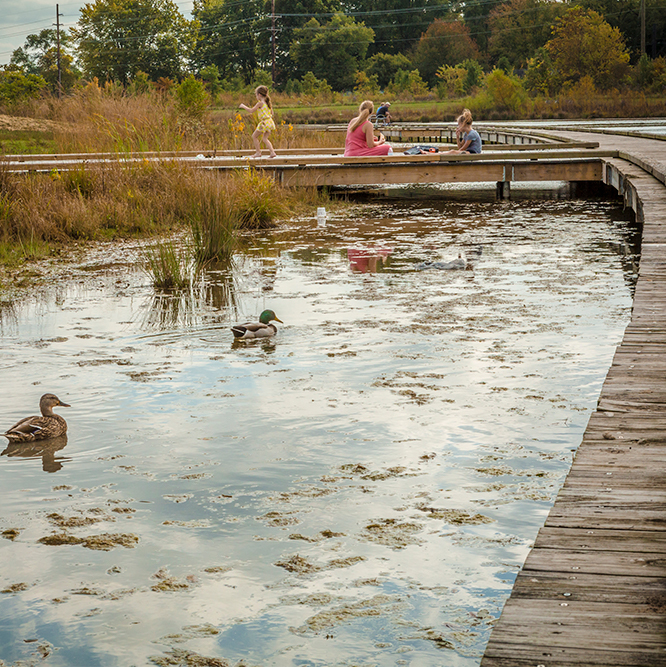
point(360, 136)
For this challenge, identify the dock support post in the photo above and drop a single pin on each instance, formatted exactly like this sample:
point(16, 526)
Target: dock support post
point(503, 190)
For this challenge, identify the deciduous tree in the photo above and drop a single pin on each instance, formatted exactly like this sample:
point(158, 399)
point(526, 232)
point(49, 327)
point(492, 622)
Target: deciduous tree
point(519, 27)
point(385, 65)
point(118, 38)
point(291, 15)
point(39, 55)
point(584, 44)
point(234, 36)
point(443, 43)
point(333, 51)
point(398, 24)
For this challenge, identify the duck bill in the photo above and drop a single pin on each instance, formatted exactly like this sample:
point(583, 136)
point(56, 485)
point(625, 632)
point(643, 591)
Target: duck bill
point(279, 320)
point(64, 405)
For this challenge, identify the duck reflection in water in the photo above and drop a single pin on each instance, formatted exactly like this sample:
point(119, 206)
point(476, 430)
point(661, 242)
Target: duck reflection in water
point(367, 260)
point(44, 449)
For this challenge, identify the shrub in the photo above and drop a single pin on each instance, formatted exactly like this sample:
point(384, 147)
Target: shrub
point(365, 84)
point(408, 82)
point(474, 74)
point(506, 93)
point(192, 98)
point(16, 86)
point(210, 75)
point(451, 80)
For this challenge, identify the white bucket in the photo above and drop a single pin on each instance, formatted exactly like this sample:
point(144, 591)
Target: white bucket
point(321, 215)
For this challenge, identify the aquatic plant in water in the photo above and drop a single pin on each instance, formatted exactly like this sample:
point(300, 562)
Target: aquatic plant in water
point(213, 223)
point(258, 200)
point(170, 266)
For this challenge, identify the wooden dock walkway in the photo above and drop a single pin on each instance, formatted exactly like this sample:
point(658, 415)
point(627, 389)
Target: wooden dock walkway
point(593, 589)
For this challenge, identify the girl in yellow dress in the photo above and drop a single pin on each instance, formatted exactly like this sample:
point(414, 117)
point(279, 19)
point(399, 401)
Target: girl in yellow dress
point(266, 124)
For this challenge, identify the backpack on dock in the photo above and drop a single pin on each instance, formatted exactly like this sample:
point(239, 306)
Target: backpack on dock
point(421, 150)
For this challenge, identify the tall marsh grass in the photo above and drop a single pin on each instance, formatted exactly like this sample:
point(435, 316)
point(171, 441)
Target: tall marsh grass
point(214, 223)
point(108, 120)
point(170, 265)
point(123, 200)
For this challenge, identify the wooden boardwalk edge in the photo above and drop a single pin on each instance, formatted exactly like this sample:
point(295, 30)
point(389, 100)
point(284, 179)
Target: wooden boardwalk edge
point(593, 588)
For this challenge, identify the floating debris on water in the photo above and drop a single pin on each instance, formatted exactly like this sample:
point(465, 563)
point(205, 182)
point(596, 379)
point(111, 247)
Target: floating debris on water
point(392, 533)
point(16, 588)
point(103, 542)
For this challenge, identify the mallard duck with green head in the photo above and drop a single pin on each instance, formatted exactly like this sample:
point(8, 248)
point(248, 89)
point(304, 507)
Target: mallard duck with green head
point(261, 329)
point(49, 425)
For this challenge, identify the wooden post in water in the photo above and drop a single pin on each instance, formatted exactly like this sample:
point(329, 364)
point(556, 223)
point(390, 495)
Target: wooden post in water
point(503, 190)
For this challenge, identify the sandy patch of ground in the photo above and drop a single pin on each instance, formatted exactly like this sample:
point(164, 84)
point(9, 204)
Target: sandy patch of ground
point(21, 124)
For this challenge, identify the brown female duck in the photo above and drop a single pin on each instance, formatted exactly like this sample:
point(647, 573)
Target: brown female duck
point(49, 425)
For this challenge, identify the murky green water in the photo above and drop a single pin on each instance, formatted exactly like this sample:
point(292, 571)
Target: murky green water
point(360, 490)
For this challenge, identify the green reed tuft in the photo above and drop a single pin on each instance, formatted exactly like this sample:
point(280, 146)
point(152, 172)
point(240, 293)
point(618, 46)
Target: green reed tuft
point(213, 221)
point(170, 265)
point(259, 200)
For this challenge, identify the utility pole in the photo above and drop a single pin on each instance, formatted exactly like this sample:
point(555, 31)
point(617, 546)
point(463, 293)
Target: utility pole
point(273, 40)
point(642, 27)
point(58, 50)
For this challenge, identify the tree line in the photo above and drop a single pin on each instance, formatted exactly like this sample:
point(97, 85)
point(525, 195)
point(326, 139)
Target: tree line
point(339, 45)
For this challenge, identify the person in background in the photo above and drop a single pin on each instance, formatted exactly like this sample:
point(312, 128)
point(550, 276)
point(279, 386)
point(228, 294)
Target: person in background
point(266, 124)
point(468, 140)
point(360, 139)
point(383, 113)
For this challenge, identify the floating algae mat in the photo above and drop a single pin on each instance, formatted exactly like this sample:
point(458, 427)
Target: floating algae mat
point(359, 490)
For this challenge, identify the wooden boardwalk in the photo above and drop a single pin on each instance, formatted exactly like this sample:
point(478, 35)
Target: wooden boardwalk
point(593, 589)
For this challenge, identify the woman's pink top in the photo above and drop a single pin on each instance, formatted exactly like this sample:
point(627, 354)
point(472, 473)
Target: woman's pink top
point(357, 144)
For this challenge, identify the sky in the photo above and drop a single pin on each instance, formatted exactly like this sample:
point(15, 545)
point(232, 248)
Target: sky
point(20, 18)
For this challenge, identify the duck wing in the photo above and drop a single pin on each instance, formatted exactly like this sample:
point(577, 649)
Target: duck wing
point(36, 428)
point(254, 330)
point(28, 426)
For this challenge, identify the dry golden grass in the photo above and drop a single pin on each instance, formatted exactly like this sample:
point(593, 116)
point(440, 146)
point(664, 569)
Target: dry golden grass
point(118, 200)
point(97, 120)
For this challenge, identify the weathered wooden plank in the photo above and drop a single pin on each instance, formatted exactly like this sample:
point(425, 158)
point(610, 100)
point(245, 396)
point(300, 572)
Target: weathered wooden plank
point(634, 564)
point(647, 592)
point(602, 540)
point(617, 627)
point(518, 654)
point(601, 477)
point(590, 518)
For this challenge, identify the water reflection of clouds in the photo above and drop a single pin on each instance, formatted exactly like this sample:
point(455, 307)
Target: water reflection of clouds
point(499, 372)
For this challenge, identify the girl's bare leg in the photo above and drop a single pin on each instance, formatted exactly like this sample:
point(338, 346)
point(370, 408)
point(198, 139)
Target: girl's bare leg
point(257, 145)
point(269, 145)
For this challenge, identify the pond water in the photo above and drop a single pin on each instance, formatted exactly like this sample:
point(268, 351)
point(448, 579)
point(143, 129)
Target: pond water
point(359, 490)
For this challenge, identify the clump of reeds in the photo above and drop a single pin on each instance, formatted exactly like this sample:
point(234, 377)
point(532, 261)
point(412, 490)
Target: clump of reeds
point(258, 199)
point(214, 223)
point(170, 266)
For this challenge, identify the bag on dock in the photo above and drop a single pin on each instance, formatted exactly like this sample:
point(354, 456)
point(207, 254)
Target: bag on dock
point(421, 150)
